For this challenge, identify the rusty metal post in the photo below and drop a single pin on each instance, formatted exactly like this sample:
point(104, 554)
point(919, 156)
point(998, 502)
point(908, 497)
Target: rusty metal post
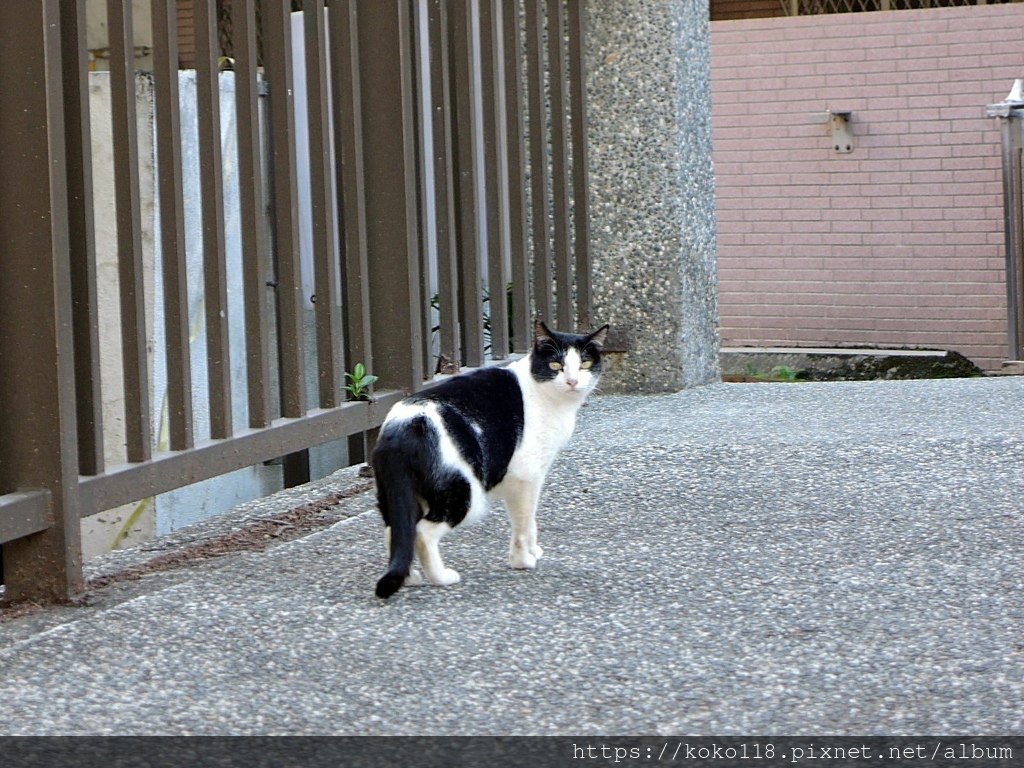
point(255, 246)
point(327, 309)
point(172, 225)
point(540, 174)
point(38, 438)
point(211, 182)
point(277, 55)
point(580, 176)
point(559, 118)
point(83, 245)
point(389, 157)
point(467, 118)
point(124, 127)
point(351, 194)
point(1010, 113)
point(495, 191)
point(450, 352)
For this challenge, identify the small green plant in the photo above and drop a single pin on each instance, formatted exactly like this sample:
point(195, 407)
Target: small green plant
point(778, 373)
point(783, 373)
point(360, 380)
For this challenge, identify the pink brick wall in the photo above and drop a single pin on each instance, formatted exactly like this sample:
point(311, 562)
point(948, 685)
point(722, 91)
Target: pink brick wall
point(899, 244)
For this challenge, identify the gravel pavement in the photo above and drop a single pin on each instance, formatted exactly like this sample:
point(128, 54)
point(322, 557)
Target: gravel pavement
point(836, 558)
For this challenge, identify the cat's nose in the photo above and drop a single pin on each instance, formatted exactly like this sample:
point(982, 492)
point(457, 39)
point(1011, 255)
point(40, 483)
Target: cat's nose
point(572, 383)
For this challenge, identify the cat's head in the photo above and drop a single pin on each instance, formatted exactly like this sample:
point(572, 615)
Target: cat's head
point(569, 363)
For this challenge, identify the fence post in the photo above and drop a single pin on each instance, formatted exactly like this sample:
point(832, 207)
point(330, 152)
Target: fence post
point(38, 434)
point(1010, 113)
point(389, 162)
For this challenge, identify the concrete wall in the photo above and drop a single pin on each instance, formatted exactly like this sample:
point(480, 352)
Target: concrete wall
point(899, 243)
point(97, 37)
point(652, 192)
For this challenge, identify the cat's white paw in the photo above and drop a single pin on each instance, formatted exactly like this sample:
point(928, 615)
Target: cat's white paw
point(446, 578)
point(414, 579)
point(524, 553)
point(522, 560)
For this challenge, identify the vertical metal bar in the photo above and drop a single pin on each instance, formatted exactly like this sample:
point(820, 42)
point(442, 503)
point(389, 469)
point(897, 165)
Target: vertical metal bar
point(1016, 272)
point(325, 256)
point(348, 158)
point(37, 378)
point(1013, 208)
point(580, 163)
point(172, 223)
point(516, 156)
point(254, 244)
point(449, 358)
point(385, 70)
point(491, 71)
point(466, 148)
point(211, 179)
point(560, 163)
point(278, 67)
point(129, 231)
point(348, 153)
point(421, 127)
point(83, 245)
point(539, 173)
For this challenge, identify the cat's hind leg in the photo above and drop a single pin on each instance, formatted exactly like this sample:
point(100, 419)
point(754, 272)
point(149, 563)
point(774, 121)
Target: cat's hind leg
point(428, 535)
point(521, 500)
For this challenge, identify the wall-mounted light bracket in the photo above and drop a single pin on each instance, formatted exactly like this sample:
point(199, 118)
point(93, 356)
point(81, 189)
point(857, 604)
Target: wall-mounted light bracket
point(842, 134)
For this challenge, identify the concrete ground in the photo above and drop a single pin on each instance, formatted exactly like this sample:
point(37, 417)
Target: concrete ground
point(836, 558)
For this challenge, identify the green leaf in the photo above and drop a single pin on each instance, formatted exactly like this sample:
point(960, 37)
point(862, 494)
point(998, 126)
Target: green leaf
point(368, 379)
point(359, 371)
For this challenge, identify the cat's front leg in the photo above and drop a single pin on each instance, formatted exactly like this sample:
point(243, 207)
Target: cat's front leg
point(524, 551)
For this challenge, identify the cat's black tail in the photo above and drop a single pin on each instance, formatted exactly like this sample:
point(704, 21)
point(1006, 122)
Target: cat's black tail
point(396, 495)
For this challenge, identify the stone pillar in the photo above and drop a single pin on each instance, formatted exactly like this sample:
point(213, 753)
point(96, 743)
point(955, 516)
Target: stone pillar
point(652, 192)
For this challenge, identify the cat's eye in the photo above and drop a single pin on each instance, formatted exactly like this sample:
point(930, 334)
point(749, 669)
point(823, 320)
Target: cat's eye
point(555, 366)
point(586, 364)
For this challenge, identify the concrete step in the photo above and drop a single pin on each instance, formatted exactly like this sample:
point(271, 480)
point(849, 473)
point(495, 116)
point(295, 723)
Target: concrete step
point(841, 364)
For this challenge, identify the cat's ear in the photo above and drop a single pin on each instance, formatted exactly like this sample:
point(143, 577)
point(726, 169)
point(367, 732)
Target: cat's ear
point(541, 332)
point(597, 338)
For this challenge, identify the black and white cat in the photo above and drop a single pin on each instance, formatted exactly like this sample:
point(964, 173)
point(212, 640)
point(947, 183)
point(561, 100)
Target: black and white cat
point(490, 433)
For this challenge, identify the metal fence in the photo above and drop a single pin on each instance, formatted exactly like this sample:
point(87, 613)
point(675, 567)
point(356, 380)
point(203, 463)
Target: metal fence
point(447, 176)
point(817, 7)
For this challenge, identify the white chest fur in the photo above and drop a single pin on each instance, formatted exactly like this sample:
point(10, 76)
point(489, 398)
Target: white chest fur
point(549, 418)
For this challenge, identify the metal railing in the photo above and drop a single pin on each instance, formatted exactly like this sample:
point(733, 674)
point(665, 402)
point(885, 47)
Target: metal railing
point(817, 7)
point(425, 119)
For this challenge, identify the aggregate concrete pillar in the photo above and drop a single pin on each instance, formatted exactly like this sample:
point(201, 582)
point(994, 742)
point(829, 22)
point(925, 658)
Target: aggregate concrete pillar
point(652, 192)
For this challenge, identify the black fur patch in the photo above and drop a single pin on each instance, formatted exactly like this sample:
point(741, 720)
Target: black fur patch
point(483, 413)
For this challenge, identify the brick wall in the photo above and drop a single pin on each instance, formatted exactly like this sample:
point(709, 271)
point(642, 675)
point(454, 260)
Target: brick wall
point(186, 34)
point(898, 244)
